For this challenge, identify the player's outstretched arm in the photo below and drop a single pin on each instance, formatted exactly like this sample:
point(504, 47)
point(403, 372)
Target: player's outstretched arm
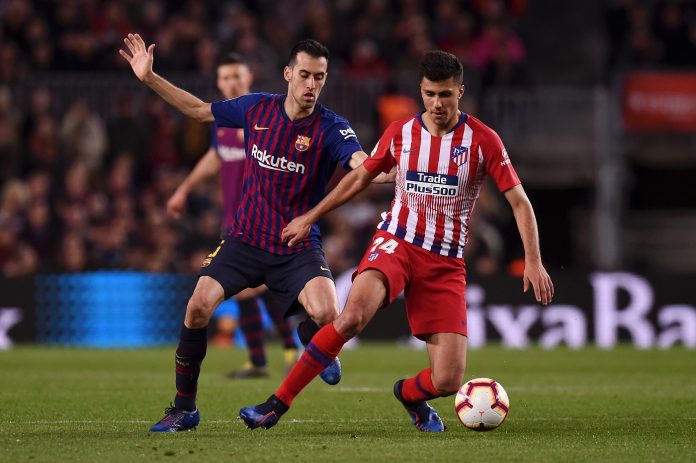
point(353, 183)
point(208, 166)
point(534, 271)
point(141, 59)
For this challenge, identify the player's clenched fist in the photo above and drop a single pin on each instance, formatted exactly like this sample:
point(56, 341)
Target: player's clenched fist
point(140, 57)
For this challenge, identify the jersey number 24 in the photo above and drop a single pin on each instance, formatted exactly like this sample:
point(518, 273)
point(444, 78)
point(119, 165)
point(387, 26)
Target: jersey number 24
point(389, 246)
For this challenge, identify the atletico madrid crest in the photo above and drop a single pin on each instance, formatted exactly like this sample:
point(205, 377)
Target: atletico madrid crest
point(302, 143)
point(460, 154)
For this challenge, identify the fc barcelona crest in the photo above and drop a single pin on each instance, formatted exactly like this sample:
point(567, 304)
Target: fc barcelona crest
point(460, 154)
point(302, 143)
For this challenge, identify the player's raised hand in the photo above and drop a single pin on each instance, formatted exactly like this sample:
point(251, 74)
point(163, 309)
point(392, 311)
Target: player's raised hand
point(536, 275)
point(296, 230)
point(140, 57)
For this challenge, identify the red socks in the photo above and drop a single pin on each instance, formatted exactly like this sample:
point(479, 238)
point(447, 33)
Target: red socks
point(319, 353)
point(419, 388)
point(322, 350)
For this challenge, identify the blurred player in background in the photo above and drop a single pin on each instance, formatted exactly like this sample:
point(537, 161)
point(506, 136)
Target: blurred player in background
point(227, 157)
point(293, 145)
point(442, 157)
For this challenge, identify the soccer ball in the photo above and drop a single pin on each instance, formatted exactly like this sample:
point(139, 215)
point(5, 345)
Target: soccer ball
point(481, 404)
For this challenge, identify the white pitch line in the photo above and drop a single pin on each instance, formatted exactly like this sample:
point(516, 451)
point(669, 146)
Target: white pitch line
point(294, 421)
point(358, 389)
point(372, 420)
point(578, 390)
point(605, 418)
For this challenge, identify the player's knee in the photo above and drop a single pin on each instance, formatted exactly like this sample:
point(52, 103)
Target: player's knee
point(198, 311)
point(324, 315)
point(323, 319)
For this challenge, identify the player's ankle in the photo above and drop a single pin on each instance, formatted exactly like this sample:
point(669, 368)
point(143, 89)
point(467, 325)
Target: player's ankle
point(277, 405)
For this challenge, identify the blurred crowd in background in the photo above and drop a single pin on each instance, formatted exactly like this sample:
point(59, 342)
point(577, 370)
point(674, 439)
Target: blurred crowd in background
point(82, 190)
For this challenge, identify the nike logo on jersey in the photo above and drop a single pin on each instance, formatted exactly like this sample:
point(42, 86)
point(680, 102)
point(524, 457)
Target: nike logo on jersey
point(324, 268)
point(256, 127)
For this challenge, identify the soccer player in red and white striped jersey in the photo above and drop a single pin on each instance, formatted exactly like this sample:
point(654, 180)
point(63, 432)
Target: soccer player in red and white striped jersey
point(442, 157)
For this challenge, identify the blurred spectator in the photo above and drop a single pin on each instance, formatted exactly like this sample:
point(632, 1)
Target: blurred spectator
point(127, 133)
point(393, 106)
point(10, 137)
point(109, 23)
point(121, 179)
point(365, 62)
point(641, 37)
point(84, 135)
point(42, 146)
point(40, 185)
point(16, 257)
point(169, 56)
point(263, 62)
point(458, 37)
point(40, 104)
point(206, 56)
point(495, 38)
point(163, 152)
point(505, 69)
point(17, 15)
point(9, 63)
point(72, 256)
point(14, 198)
point(673, 31)
point(39, 231)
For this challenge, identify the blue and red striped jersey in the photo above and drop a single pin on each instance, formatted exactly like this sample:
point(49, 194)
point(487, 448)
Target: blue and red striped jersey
point(288, 164)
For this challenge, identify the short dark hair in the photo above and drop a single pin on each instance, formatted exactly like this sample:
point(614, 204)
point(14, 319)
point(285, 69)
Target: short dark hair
point(231, 58)
point(309, 46)
point(437, 65)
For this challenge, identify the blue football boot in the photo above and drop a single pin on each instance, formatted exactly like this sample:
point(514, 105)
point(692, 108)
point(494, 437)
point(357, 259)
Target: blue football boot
point(332, 374)
point(264, 415)
point(176, 419)
point(424, 417)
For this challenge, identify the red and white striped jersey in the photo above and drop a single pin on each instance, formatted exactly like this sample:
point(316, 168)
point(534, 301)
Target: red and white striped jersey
point(439, 179)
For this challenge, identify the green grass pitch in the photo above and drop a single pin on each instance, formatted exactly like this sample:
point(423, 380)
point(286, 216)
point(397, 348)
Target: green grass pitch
point(590, 405)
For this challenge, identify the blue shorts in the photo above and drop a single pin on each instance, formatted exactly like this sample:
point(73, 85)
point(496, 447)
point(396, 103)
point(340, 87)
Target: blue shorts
point(237, 266)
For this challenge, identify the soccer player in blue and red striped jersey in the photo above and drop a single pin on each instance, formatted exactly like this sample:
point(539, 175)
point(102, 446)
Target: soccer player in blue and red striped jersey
point(293, 144)
point(226, 157)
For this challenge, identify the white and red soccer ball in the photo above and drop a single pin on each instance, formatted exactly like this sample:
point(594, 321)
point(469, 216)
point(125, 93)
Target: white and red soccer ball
point(481, 404)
